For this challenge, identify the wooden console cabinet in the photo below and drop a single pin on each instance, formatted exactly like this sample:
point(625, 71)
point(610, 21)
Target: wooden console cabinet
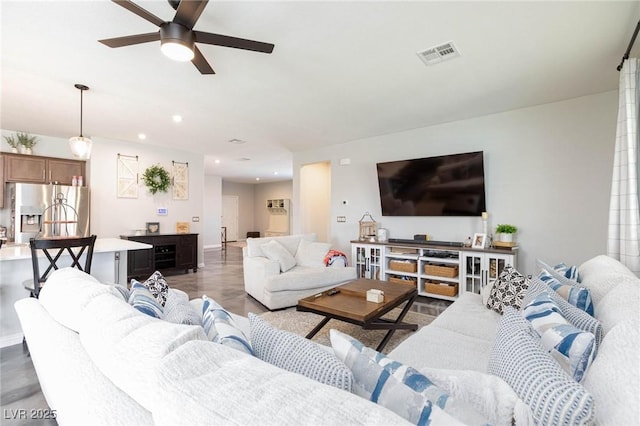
point(171, 253)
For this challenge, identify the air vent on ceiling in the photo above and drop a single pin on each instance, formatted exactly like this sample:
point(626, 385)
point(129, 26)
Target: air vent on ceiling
point(243, 159)
point(440, 53)
point(237, 141)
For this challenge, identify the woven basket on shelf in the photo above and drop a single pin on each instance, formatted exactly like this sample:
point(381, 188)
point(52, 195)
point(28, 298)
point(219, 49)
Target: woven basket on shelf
point(449, 271)
point(443, 289)
point(403, 266)
point(409, 281)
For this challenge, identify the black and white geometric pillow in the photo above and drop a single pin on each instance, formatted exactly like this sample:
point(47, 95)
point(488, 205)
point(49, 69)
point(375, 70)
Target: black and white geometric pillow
point(158, 287)
point(508, 290)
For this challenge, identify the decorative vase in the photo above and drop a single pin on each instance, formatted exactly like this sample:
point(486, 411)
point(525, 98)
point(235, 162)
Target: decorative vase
point(506, 238)
point(28, 151)
point(14, 150)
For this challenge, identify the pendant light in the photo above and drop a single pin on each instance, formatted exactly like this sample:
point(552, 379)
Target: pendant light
point(80, 145)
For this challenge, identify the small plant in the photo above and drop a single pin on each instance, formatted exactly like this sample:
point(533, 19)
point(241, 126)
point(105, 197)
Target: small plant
point(156, 178)
point(12, 141)
point(27, 140)
point(506, 229)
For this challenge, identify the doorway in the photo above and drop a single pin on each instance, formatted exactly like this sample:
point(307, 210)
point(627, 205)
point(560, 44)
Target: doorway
point(230, 216)
point(315, 199)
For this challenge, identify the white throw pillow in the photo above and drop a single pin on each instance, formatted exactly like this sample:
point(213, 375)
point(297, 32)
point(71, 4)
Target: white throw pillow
point(312, 253)
point(275, 251)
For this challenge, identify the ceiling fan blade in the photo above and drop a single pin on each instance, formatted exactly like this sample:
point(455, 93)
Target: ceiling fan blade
point(132, 39)
point(234, 42)
point(134, 8)
point(200, 62)
point(189, 11)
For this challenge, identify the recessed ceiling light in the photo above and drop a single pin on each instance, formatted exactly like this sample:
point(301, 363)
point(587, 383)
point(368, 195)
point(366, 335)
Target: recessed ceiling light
point(177, 118)
point(216, 161)
point(275, 173)
point(142, 136)
point(257, 178)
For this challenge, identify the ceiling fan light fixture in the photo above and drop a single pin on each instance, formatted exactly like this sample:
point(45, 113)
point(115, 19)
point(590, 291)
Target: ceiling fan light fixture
point(176, 42)
point(80, 145)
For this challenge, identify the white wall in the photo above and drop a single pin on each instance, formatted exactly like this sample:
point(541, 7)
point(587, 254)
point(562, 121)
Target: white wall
point(112, 216)
point(268, 191)
point(315, 199)
point(212, 211)
point(547, 168)
point(246, 205)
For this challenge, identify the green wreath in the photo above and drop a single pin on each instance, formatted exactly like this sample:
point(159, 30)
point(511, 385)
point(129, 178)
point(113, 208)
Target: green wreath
point(156, 178)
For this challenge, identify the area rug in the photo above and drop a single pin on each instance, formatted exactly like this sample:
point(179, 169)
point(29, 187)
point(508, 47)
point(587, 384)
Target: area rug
point(303, 322)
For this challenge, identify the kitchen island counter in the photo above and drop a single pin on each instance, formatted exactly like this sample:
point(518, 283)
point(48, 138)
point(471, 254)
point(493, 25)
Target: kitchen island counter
point(109, 265)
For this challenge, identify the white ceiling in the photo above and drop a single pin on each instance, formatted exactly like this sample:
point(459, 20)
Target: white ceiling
point(340, 71)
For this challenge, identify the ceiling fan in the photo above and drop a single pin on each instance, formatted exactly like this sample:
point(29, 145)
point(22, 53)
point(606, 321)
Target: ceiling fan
point(178, 38)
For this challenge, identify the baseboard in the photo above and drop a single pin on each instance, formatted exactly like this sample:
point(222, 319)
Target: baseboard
point(212, 246)
point(10, 340)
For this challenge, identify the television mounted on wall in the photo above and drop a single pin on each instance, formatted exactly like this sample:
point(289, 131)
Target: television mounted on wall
point(446, 185)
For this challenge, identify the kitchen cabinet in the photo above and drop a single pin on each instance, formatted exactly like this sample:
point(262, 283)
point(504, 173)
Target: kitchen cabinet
point(36, 169)
point(171, 253)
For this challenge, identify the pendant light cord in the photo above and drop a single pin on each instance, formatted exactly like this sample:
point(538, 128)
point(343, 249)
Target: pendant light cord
point(81, 90)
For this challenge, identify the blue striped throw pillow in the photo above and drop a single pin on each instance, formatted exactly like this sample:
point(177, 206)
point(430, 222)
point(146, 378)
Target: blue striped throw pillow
point(573, 348)
point(221, 328)
point(141, 299)
point(517, 357)
point(402, 389)
point(575, 316)
point(580, 297)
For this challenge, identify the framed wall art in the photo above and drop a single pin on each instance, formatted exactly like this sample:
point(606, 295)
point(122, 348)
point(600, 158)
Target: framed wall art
point(127, 180)
point(180, 172)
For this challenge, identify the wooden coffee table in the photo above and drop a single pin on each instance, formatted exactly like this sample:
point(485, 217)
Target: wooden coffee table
point(350, 305)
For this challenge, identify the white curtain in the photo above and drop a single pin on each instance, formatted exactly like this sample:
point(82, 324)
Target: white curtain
point(624, 211)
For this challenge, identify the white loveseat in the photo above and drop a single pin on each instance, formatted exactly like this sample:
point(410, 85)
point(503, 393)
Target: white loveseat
point(266, 280)
point(99, 361)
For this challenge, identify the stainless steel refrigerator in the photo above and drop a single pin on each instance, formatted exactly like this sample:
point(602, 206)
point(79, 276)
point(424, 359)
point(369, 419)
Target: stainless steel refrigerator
point(48, 211)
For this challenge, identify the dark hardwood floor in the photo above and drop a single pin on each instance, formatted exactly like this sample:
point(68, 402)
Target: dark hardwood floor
point(221, 279)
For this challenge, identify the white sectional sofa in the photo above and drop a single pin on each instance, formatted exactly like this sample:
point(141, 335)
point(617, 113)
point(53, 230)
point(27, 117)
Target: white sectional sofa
point(99, 361)
point(275, 286)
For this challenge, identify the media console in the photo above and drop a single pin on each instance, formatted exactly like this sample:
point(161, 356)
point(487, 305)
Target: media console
point(438, 269)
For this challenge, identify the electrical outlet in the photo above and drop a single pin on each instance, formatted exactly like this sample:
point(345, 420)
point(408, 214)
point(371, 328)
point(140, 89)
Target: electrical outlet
point(341, 219)
point(195, 219)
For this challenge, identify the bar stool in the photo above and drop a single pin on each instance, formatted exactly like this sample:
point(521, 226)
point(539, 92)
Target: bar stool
point(53, 250)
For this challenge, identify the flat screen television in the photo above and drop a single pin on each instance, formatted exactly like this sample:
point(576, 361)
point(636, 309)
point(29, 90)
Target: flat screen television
point(447, 185)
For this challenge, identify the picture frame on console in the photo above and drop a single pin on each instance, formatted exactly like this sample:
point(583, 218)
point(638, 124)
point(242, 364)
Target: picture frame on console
point(153, 228)
point(479, 241)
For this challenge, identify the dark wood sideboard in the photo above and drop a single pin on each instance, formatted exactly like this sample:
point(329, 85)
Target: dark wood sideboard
point(171, 253)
